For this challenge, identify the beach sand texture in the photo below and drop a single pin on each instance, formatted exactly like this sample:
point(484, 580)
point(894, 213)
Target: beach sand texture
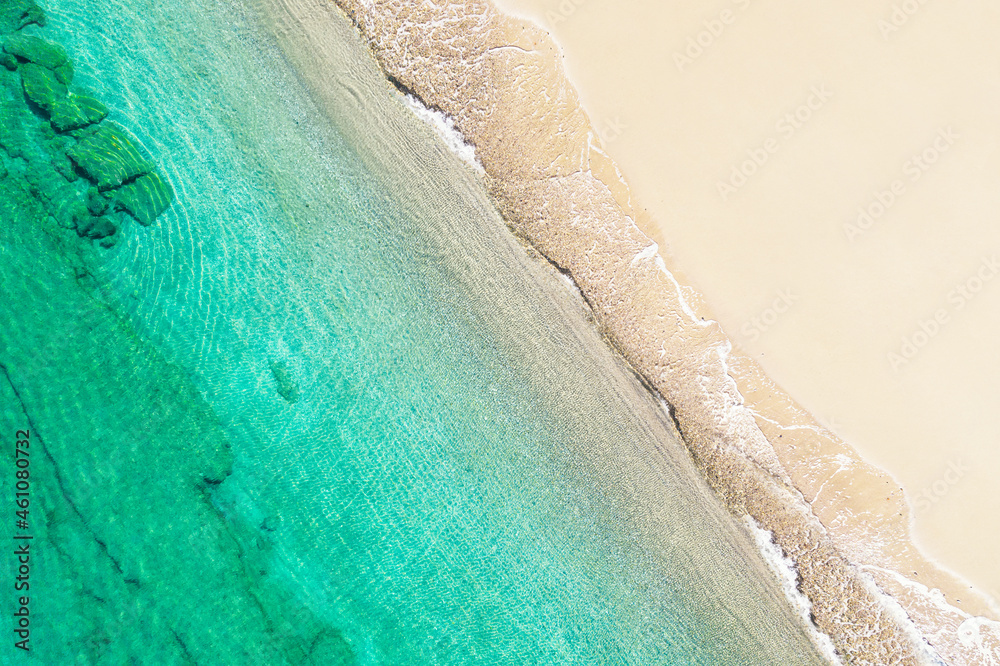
point(823, 175)
point(844, 522)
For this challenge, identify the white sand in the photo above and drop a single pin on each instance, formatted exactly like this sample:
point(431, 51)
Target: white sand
point(819, 304)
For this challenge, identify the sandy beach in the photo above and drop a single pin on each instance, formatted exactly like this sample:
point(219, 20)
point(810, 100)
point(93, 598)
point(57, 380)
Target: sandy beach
point(558, 169)
point(822, 177)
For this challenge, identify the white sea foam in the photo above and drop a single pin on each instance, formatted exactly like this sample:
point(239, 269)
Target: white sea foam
point(925, 652)
point(572, 285)
point(970, 632)
point(648, 253)
point(445, 128)
point(788, 576)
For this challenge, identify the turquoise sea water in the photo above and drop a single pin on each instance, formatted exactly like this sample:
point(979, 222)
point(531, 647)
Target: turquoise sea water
point(325, 408)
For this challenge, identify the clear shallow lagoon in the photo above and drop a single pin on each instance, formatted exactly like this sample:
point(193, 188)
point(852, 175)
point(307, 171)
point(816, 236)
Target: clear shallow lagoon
point(326, 409)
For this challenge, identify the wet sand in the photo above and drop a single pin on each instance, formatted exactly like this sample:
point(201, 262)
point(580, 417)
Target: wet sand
point(551, 175)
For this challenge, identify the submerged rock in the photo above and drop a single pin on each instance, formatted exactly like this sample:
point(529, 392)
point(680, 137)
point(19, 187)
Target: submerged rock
point(57, 136)
point(97, 203)
point(64, 72)
point(96, 227)
point(15, 14)
point(145, 198)
point(36, 50)
point(109, 156)
point(42, 87)
point(67, 111)
point(76, 111)
point(287, 387)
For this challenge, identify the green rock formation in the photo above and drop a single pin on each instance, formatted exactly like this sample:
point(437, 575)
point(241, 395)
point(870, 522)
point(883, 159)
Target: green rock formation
point(109, 156)
point(67, 111)
point(36, 50)
point(61, 134)
point(97, 203)
point(95, 227)
point(41, 86)
point(15, 14)
point(144, 198)
point(76, 111)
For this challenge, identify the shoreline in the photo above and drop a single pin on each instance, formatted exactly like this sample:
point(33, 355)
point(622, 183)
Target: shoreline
point(817, 290)
point(302, 29)
point(545, 194)
point(569, 199)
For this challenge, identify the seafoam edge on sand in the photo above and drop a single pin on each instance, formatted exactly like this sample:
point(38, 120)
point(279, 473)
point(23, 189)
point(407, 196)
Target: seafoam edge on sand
point(498, 82)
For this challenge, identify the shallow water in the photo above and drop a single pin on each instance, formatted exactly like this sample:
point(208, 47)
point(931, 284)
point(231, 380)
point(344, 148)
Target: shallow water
point(326, 408)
